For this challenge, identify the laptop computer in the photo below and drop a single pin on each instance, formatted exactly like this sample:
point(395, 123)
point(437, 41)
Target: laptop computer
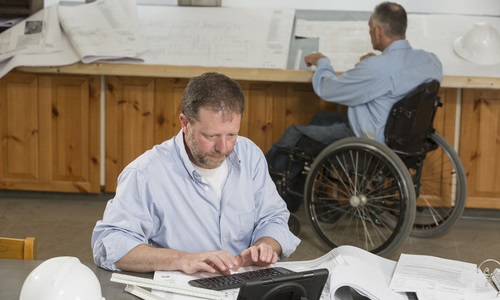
point(305, 285)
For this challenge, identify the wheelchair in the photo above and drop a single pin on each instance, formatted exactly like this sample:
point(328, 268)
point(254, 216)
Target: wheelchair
point(360, 192)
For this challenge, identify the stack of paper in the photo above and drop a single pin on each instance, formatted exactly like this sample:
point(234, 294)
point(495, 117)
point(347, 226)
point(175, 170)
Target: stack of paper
point(434, 278)
point(101, 30)
point(376, 278)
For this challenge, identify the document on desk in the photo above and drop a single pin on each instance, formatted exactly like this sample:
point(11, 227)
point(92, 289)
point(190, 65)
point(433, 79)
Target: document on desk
point(349, 267)
point(104, 30)
point(434, 278)
point(217, 36)
point(39, 40)
point(344, 42)
point(39, 33)
point(36, 41)
point(352, 267)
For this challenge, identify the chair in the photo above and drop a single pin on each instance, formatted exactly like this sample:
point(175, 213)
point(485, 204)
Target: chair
point(371, 195)
point(18, 248)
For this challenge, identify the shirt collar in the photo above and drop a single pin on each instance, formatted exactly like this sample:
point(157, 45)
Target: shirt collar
point(396, 45)
point(182, 153)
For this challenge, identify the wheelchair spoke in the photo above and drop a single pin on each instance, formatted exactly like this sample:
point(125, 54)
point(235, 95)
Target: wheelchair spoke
point(433, 213)
point(354, 197)
point(442, 190)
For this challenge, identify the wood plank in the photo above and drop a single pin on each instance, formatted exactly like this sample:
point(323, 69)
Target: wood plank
point(61, 152)
point(249, 74)
point(71, 144)
point(480, 145)
point(19, 129)
point(130, 103)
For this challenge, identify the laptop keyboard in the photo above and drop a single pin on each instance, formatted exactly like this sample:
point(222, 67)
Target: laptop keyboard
point(235, 280)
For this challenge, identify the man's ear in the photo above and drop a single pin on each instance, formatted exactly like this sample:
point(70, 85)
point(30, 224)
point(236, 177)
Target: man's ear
point(378, 32)
point(184, 122)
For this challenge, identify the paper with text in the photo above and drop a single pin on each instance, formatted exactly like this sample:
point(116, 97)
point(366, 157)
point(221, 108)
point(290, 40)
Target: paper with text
point(217, 36)
point(40, 33)
point(36, 41)
point(429, 275)
point(104, 30)
point(344, 42)
point(349, 267)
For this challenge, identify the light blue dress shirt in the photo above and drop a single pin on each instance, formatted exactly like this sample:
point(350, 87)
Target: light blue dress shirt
point(161, 201)
point(375, 84)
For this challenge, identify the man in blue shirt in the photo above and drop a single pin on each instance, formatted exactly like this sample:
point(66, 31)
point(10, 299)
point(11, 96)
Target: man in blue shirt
point(369, 90)
point(201, 201)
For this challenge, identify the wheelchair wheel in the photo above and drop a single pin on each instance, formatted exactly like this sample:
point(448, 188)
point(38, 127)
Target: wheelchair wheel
point(442, 192)
point(359, 192)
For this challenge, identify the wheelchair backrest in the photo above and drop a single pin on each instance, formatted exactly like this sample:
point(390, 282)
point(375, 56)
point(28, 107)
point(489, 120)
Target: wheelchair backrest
point(411, 119)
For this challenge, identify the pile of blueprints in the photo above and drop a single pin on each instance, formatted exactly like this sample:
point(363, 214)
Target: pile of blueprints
point(119, 31)
point(62, 35)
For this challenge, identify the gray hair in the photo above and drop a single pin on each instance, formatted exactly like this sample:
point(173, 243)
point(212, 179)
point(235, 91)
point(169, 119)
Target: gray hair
point(213, 91)
point(391, 17)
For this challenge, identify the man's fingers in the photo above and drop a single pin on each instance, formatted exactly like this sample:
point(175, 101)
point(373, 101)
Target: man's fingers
point(262, 254)
point(222, 262)
point(267, 254)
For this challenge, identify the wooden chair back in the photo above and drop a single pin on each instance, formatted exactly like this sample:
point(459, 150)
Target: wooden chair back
point(18, 248)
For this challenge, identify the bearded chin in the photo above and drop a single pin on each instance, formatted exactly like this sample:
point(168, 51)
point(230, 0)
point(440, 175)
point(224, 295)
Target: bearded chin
point(212, 160)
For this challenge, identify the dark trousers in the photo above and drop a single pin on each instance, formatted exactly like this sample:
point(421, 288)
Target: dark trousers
point(325, 127)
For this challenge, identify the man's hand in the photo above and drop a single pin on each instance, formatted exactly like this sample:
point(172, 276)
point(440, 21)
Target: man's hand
point(210, 261)
point(264, 252)
point(312, 59)
point(145, 258)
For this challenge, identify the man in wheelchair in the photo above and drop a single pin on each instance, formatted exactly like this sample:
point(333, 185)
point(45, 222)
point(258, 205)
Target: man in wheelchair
point(369, 91)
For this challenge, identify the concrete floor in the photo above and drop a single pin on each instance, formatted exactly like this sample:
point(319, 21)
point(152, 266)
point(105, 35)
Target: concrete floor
point(63, 223)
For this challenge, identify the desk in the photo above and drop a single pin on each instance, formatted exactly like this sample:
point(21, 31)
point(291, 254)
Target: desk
point(13, 272)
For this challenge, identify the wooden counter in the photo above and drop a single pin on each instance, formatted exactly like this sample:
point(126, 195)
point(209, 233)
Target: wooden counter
point(51, 131)
point(272, 75)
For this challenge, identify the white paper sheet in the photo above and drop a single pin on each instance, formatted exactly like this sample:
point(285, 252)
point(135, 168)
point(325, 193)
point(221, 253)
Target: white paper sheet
point(48, 49)
point(216, 36)
point(482, 290)
point(367, 273)
point(39, 41)
point(40, 33)
point(349, 267)
point(344, 42)
point(434, 277)
point(103, 30)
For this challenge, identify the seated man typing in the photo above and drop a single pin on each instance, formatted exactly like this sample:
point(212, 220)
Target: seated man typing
point(201, 201)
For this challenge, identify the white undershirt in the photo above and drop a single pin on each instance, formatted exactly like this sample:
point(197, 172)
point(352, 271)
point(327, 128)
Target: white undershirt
point(216, 178)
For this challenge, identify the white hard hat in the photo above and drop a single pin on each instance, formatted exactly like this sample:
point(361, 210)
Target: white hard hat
point(480, 45)
point(61, 278)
